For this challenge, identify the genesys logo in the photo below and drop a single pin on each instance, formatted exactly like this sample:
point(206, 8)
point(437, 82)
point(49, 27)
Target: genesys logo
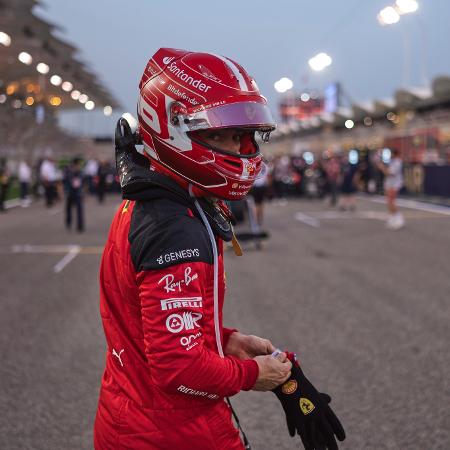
point(190, 341)
point(186, 321)
point(183, 76)
point(170, 285)
point(168, 59)
point(174, 303)
point(181, 254)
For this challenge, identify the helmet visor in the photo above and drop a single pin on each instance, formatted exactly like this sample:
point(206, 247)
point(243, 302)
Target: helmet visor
point(253, 115)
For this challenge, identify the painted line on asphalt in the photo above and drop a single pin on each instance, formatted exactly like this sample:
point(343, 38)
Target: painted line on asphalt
point(378, 215)
point(54, 249)
point(414, 204)
point(308, 220)
point(91, 250)
point(70, 252)
point(73, 252)
point(12, 203)
point(29, 248)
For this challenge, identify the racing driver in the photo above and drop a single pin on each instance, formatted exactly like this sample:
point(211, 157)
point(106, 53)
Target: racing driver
point(170, 362)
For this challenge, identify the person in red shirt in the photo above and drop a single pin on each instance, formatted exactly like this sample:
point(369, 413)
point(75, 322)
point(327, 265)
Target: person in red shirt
point(170, 362)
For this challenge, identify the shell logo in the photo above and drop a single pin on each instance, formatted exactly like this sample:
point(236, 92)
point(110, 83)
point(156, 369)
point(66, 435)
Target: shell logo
point(289, 387)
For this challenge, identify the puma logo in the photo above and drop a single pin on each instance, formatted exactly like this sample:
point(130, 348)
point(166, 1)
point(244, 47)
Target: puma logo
point(117, 355)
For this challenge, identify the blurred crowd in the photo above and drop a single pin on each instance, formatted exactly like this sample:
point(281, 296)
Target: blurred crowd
point(55, 180)
point(336, 176)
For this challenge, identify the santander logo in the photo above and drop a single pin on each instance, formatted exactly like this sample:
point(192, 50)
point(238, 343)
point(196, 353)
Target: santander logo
point(168, 59)
point(188, 79)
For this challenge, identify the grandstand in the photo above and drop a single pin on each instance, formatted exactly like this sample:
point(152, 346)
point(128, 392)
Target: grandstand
point(40, 75)
point(416, 120)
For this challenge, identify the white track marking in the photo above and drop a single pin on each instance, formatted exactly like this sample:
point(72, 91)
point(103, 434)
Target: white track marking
point(52, 249)
point(414, 204)
point(309, 220)
point(378, 215)
point(73, 252)
point(12, 203)
point(28, 248)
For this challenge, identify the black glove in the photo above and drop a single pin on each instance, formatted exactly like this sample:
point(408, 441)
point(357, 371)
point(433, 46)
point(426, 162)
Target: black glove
point(307, 411)
point(132, 167)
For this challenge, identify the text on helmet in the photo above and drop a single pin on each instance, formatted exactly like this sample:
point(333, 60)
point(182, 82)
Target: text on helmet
point(180, 73)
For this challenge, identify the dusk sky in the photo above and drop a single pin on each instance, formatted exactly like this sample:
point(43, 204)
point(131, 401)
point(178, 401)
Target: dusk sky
point(270, 39)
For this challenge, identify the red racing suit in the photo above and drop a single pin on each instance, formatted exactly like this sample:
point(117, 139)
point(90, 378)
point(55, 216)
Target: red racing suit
point(164, 381)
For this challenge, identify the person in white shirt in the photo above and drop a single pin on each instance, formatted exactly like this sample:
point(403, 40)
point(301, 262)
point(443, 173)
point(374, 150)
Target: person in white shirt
point(24, 175)
point(393, 182)
point(49, 176)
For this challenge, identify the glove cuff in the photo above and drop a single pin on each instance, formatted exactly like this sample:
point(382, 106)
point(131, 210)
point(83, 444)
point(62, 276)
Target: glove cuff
point(293, 358)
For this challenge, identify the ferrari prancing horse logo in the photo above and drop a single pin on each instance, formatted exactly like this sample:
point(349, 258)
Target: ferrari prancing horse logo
point(306, 405)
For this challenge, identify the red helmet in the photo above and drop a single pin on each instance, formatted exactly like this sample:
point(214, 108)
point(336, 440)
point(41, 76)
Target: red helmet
point(183, 92)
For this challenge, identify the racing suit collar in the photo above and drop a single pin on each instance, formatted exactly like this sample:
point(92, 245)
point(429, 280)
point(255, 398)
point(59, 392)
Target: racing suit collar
point(150, 185)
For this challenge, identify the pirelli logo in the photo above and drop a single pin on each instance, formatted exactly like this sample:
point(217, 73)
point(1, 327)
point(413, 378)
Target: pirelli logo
point(175, 303)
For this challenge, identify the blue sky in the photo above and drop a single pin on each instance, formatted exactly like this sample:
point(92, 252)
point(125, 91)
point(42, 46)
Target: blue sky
point(270, 39)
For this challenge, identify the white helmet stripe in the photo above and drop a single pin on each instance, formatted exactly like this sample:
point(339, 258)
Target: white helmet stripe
point(235, 70)
point(149, 115)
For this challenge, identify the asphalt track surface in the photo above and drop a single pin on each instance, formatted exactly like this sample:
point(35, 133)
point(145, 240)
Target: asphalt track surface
point(366, 309)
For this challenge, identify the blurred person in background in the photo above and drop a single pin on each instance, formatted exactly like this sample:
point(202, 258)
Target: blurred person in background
point(332, 168)
point(378, 174)
point(393, 182)
point(37, 188)
point(49, 177)
point(298, 169)
point(349, 186)
point(310, 182)
point(90, 173)
point(73, 190)
point(24, 176)
point(170, 362)
point(100, 180)
point(321, 178)
point(259, 192)
point(281, 176)
point(4, 183)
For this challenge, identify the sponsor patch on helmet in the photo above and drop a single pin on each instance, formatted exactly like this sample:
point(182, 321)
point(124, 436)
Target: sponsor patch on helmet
point(289, 387)
point(183, 76)
point(306, 405)
point(168, 59)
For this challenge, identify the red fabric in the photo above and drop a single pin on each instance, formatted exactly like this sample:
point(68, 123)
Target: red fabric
point(164, 382)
